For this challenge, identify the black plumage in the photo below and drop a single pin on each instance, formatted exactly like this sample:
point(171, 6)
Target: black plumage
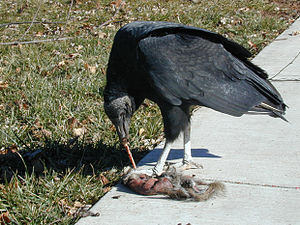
point(178, 66)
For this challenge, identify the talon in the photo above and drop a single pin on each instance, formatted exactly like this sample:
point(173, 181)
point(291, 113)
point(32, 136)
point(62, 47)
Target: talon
point(186, 165)
point(190, 164)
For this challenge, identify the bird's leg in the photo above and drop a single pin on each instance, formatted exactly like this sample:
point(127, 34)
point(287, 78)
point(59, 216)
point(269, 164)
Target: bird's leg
point(187, 144)
point(188, 162)
point(158, 169)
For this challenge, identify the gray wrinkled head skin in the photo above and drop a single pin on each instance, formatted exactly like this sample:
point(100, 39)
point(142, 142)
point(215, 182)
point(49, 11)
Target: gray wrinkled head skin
point(119, 109)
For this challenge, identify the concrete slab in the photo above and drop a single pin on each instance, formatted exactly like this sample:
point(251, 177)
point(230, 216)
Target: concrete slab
point(257, 157)
point(242, 204)
point(251, 149)
point(278, 59)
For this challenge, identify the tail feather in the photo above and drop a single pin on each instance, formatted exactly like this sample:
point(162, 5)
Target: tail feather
point(269, 109)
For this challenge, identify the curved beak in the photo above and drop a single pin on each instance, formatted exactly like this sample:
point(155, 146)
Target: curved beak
point(124, 136)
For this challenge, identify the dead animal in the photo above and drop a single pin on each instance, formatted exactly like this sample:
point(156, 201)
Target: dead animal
point(173, 184)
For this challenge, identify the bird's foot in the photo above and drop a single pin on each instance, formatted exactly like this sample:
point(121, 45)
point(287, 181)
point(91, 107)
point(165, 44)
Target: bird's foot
point(184, 165)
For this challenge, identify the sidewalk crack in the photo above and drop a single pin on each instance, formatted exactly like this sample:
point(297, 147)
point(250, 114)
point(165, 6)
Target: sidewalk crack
point(254, 184)
point(290, 63)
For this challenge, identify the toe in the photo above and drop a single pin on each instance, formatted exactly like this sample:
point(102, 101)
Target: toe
point(185, 165)
point(192, 165)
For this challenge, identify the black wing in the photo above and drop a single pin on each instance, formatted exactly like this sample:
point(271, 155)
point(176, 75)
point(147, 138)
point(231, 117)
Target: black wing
point(188, 68)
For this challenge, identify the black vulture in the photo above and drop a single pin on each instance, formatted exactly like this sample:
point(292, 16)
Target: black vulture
point(178, 66)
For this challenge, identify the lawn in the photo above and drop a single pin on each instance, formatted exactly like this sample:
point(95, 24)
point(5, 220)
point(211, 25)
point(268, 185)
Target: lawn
point(58, 151)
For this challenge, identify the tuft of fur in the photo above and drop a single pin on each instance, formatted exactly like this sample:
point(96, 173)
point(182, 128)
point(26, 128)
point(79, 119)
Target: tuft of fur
point(192, 188)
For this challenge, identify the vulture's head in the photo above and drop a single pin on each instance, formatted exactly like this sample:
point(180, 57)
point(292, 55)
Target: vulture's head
point(120, 109)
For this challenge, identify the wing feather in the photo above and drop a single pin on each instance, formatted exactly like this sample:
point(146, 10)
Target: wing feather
point(183, 67)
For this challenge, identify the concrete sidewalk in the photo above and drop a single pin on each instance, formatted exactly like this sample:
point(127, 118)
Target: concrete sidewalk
point(257, 158)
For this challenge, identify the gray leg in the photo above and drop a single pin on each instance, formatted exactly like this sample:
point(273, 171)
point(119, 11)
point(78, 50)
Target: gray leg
point(187, 144)
point(187, 162)
point(158, 169)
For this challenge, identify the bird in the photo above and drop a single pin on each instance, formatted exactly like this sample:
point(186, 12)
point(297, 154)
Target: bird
point(179, 66)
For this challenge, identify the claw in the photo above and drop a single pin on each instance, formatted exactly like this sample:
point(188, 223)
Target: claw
point(185, 165)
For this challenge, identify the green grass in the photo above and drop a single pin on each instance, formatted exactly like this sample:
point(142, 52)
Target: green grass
point(56, 143)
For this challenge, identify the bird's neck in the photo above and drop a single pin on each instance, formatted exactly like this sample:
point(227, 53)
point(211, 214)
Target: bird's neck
point(113, 90)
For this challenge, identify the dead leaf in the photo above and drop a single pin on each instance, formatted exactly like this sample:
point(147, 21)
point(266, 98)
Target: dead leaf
point(92, 69)
point(68, 76)
point(223, 20)
point(3, 151)
point(78, 2)
point(72, 211)
point(244, 9)
point(3, 85)
point(38, 130)
point(78, 132)
point(63, 203)
point(296, 32)
point(13, 148)
point(56, 179)
point(4, 218)
point(39, 34)
point(25, 106)
point(86, 66)
point(104, 179)
point(116, 196)
point(21, 105)
point(252, 45)
point(118, 3)
point(44, 73)
point(146, 104)
point(61, 64)
point(103, 70)
point(102, 35)
point(46, 133)
point(78, 204)
point(112, 128)
point(106, 189)
point(74, 55)
point(88, 120)
point(2, 187)
point(18, 70)
point(141, 131)
point(80, 210)
point(73, 122)
point(37, 124)
point(79, 47)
